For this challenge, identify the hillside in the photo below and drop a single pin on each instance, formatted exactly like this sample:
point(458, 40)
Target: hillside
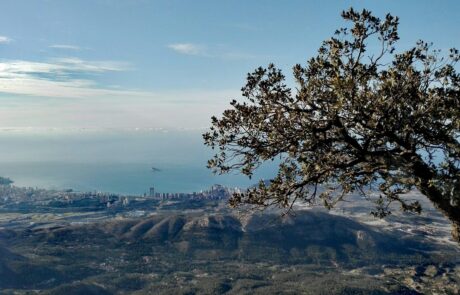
point(216, 252)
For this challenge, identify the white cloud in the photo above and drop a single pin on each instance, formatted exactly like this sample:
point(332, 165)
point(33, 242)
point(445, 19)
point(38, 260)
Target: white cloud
point(88, 104)
point(27, 85)
point(62, 77)
point(76, 64)
point(217, 51)
point(68, 78)
point(4, 40)
point(66, 47)
point(60, 66)
point(187, 48)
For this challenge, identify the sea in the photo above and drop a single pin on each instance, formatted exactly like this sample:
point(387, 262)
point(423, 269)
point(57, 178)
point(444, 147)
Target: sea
point(117, 161)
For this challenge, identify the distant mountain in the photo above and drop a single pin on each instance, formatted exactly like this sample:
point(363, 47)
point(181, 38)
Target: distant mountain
point(261, 236)
point(164, 250)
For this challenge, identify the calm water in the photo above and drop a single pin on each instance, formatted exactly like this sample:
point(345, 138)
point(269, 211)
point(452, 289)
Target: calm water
point(112, 161)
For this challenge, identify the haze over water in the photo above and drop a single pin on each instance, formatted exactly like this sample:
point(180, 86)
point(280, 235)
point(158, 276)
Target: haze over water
point(118, 161)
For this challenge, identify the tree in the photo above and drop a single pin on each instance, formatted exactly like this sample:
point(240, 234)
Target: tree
point(5, 181)
point(358, 121)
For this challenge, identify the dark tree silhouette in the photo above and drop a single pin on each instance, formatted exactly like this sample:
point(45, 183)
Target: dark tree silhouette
point(359, 120)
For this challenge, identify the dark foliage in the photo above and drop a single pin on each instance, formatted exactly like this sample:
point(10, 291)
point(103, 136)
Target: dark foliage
point(358, 121)
point(5, 181)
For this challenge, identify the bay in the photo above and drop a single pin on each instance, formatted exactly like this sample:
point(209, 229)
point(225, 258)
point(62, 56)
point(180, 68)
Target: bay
point(118, 161)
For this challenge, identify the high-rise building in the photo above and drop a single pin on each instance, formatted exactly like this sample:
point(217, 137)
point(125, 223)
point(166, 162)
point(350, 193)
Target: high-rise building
point(152, 192)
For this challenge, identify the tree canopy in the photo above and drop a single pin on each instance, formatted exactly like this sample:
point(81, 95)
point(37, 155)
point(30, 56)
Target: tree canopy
point(362, 118)
point(5, 181)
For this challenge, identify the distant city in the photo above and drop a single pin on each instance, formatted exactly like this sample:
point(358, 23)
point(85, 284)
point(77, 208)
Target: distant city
point(216, 192)
point(22, 197)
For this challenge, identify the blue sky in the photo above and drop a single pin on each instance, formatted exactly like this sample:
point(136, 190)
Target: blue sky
point(167, 64)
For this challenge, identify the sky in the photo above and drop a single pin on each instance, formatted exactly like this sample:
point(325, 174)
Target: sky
point(168, 64)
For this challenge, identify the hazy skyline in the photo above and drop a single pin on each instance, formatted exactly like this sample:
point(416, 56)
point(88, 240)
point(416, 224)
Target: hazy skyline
point(167, 64)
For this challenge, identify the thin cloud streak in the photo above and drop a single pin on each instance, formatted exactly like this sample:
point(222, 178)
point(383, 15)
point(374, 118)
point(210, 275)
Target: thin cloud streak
point(220, 51)
point(27, 85)
point(56, 79)
point(187, 48)
point(5, 40)
point(76, 64)
point(60, 66)
point(53, 79)
point(66, 47)
point(72, 77)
